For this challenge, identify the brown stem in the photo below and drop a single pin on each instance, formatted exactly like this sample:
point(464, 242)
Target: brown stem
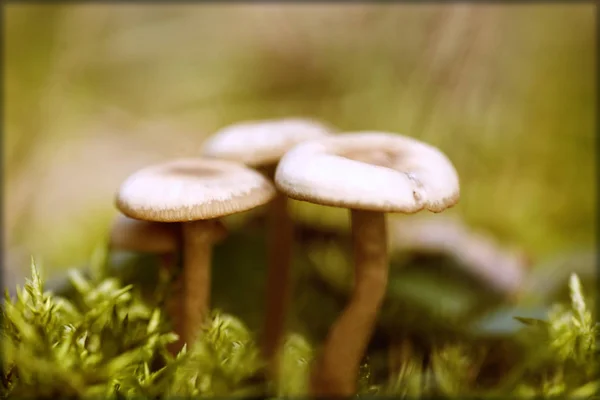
point(197, 250)
point(337, 370)
point(278, 281)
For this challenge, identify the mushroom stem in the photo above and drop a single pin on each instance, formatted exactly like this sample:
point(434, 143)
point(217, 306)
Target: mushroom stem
point(337, 370)
point(198, 239)
point(278, 280)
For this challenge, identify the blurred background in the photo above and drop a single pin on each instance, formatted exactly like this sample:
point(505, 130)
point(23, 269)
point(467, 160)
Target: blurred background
point(94, 92)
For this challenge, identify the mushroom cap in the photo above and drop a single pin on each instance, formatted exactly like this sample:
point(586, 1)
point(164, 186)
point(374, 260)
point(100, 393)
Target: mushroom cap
point(191, 189)
point(260, 143)
point(377, 171)
point(502, 269)
point(143, 236)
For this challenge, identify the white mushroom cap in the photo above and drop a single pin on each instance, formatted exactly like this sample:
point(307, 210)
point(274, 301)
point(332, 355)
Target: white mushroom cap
point(144, 236)
point(376, 171)
point(258, 143)
point(192, 189)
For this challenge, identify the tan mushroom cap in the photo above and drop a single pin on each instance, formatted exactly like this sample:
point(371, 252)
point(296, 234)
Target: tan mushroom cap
point(192, 189)
point(257, 143)
point(143, 236)
point(375, 171)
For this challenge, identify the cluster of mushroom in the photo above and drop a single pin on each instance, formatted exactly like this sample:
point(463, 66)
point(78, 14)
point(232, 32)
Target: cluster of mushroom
point(177, 205)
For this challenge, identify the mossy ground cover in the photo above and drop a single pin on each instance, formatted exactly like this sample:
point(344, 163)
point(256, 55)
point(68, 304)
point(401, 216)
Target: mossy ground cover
point(106, 338)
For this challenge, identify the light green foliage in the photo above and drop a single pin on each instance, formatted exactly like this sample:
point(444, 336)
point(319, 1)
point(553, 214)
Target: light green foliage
point(107, 342)
point(451, 372)
point(296, 360)
point(91, 347)
point(409, 381)
point(559, 358)
point(565, 360)
point(224, 361)
point(455, 367)
point(295, 367)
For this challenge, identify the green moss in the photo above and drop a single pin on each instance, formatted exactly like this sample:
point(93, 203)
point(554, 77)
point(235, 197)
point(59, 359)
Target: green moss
point(108, 341)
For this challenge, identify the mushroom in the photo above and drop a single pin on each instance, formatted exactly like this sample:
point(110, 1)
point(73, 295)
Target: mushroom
point(371, 174)
point(195, 192)
point(500, 270)
point(260, 144)
point(162, 239)
point(130, 234)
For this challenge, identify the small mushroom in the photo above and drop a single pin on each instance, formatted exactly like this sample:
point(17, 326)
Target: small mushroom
point(162, 239)
point(143, 236)
point(501, 270)
point(195, 192)
point(370, 173)
point(261, 144)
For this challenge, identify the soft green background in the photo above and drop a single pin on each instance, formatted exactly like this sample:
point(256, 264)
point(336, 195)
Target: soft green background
point(93, 92)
